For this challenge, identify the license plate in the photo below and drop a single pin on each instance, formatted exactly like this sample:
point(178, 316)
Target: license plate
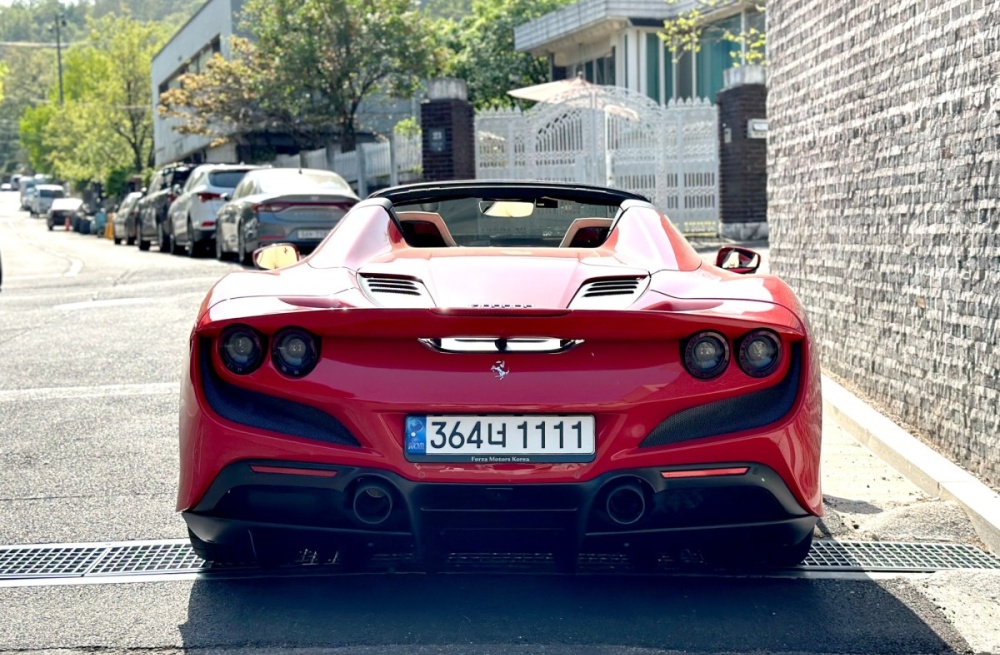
point(500, 439)
point(312, 234)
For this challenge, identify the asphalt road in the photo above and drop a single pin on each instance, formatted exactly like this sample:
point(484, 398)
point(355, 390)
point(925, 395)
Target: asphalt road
point(92, 340)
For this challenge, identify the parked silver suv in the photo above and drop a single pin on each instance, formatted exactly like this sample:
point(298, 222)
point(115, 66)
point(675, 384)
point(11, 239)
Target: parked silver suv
point(192, 214)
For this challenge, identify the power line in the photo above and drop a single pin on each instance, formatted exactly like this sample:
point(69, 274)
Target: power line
point(38, 44)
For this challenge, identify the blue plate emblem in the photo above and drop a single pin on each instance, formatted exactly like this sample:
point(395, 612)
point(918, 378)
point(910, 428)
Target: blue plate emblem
point(416, 436)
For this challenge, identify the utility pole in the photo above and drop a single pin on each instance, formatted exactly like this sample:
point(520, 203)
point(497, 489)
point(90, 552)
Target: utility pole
point(60, 22)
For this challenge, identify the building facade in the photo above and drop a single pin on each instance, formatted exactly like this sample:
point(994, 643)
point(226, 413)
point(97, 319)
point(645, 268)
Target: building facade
point(615, 42)
point(207, 32)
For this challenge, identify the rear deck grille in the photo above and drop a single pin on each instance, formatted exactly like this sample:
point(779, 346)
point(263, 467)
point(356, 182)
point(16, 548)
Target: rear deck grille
point(400, 286)
point(615, 287)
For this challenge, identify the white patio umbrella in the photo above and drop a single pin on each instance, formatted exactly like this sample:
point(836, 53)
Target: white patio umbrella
point(549, 91)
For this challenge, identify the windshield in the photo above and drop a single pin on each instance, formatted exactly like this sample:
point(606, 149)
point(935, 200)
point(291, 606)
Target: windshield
point(226, 179)
point(295, 181)
point(51, 193)
point(482, 222)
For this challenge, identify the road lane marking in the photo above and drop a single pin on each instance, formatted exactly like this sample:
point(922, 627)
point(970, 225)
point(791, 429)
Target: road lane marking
point(93, 391)
point(111, 302)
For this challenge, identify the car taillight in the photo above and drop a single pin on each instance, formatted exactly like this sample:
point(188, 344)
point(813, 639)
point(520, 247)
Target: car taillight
point(294, 352)
point(241, 349)
point(706, 355)
point(760, 353)
point(205, 196)
point(270, 207)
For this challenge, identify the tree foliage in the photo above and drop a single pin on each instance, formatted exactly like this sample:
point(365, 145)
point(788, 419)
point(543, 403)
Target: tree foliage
point(307, 69)
point(105, 123)
point(31, 21)
point(451, 9)
point(686, 32)
point(28, 51)
point(483, 53)
point(226, 97)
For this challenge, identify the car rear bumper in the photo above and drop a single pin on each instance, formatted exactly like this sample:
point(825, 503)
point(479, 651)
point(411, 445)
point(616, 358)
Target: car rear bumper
point(202, 234)
point(316, 506)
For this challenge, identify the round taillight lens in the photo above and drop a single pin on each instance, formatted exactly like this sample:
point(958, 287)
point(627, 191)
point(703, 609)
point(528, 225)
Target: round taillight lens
point(294, 352)
point(706, 355)
point(240, 349)
point(760, 353)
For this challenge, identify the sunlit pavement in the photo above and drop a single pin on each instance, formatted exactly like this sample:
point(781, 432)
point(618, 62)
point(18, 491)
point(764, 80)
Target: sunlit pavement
point(92, 340)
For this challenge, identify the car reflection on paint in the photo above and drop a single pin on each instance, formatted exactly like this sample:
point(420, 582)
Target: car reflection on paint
point(288, 205)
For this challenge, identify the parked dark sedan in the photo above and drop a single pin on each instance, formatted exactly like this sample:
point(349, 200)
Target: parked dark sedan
point(287, 205)
point(152, 213)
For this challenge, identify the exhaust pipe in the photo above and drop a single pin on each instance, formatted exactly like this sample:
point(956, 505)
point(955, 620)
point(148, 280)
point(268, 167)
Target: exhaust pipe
point(626, 504)
point(372, 503)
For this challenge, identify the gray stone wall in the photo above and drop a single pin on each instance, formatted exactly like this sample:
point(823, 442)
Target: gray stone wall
point(884, 203)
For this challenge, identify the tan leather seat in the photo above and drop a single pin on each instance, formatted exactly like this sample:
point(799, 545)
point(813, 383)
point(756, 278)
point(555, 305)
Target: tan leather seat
point(425, 230)
point(571, 240)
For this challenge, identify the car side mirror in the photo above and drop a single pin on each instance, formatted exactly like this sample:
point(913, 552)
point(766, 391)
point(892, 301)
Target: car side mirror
point(738, 260)
point(177, 189)
point(226, 197)
point(277, 255)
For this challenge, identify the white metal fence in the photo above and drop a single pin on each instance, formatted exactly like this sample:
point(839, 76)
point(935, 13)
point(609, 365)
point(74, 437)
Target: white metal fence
point(373, 165)
point(616, 137)
point(601, 135)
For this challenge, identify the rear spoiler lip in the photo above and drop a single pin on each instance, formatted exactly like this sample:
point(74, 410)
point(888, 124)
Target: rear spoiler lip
point(419, 323)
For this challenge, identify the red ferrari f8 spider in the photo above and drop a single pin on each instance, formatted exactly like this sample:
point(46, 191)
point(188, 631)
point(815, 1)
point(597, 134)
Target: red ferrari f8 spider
point(502, 367)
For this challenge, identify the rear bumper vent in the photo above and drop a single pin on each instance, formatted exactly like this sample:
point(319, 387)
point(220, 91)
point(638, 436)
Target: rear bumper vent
point(610, 293)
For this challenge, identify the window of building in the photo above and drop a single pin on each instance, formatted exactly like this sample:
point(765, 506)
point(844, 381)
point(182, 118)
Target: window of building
point(684, 76)
point(715, 56)
point(653, 48)
point(606, 69)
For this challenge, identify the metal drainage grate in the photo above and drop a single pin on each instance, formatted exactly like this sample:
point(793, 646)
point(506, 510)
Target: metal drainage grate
point(148, 558)
point(47, 561)
point(175, 556)
point(896, 557)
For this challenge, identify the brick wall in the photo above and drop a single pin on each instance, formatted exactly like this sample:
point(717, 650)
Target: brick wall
point(884, 203)
point(448, 129)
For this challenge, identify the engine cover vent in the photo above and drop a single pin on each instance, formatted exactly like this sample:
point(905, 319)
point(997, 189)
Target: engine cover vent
point(609, 293)
point(613, 287)
point(393, 291)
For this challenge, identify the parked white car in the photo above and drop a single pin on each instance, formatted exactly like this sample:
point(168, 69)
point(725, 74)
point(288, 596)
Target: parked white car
point(192, 214)
point(61, 212)
point(43, 197)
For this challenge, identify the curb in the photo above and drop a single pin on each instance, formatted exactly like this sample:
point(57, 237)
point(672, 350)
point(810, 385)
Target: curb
point(916, 461)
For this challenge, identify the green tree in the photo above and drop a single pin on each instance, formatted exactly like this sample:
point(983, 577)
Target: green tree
point(687, 31)
point(229, 96)
point(311, 63)
point(483, 53)
point(105, 123)
point(451, 9)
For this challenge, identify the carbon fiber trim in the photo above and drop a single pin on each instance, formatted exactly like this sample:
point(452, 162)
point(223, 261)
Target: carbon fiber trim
point(258, 410)
point(746, 412)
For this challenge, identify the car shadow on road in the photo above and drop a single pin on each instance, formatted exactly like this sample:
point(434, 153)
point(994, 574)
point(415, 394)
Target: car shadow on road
point(405, 613)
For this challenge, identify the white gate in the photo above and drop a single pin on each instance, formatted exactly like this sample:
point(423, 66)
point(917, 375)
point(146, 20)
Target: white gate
point(612, 136)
